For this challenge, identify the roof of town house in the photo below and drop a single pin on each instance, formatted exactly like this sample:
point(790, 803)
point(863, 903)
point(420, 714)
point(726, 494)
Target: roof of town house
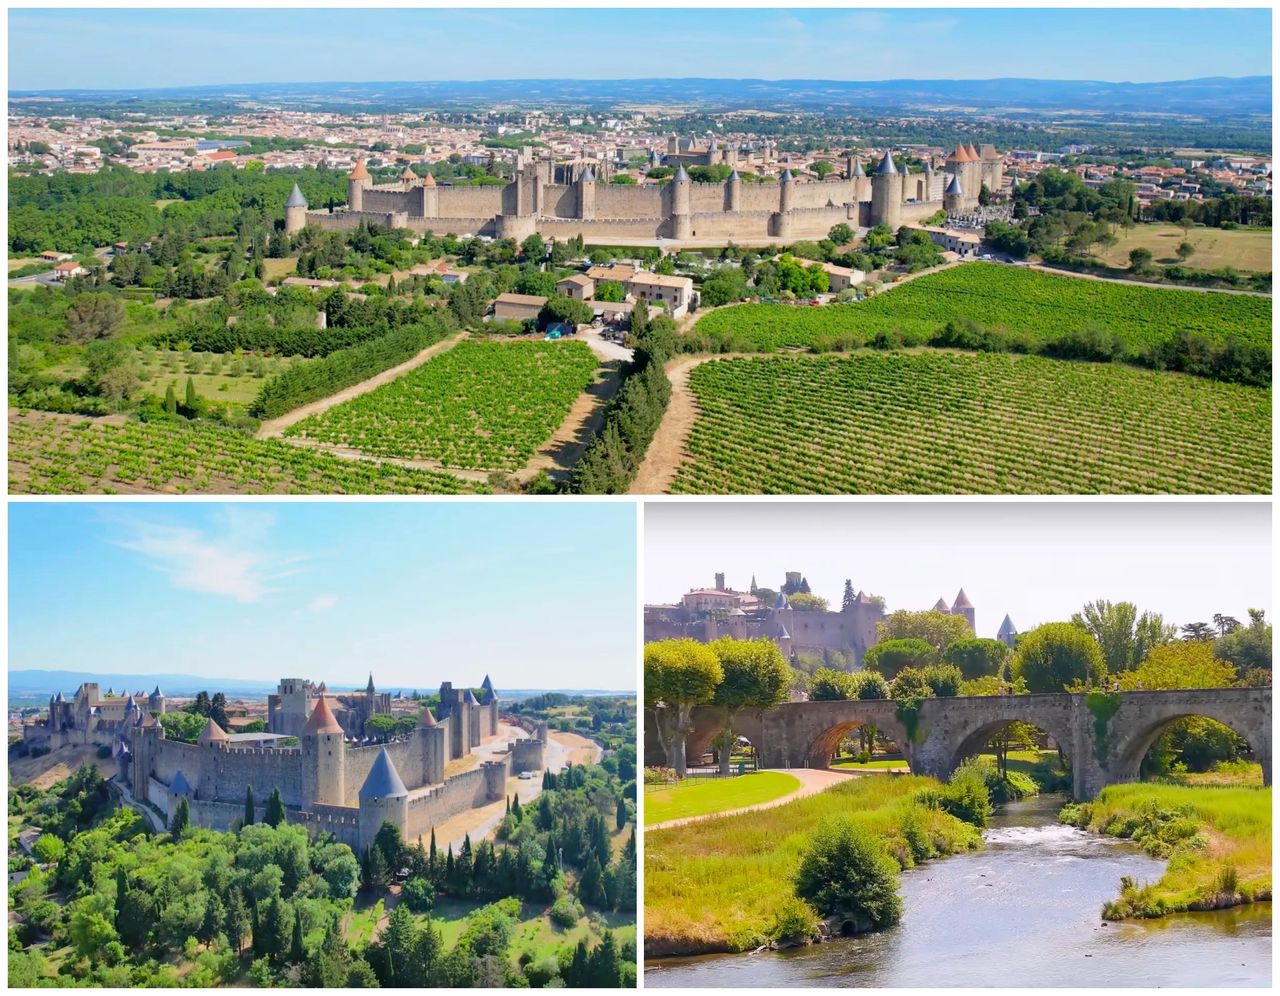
point(212, 733)
point(427, 719)
point(384, 782)
point(647, 279)
point(295, 198)
point(619, 271)
point(512, 298)
point(962, 601)
point(68, 265)
point(322, 720)
point(359, 173)
point(886, 164)
point(180, 785)
point(577, 279)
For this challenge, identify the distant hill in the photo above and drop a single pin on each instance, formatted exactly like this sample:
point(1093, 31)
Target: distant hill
point(36, 684)
point(1212, 96)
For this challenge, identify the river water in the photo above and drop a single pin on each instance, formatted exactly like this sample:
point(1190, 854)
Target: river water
point(1023, 912)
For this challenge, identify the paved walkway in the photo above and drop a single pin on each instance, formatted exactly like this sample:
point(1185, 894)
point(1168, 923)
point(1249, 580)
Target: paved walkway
point(812, 781)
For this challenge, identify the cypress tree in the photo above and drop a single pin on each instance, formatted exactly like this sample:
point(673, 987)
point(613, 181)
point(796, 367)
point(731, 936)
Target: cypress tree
point(622, 812)
point(515, 809)
point(296, 951)
point(191, 400)
point(170, 401)
point(181, 818)
point(275, 809)
point(249, 816)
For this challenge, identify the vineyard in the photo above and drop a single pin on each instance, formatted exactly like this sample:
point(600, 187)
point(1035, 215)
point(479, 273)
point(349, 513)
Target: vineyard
point(1039, 306)
point(482, 405)
point(51, 454)
point(940, 422)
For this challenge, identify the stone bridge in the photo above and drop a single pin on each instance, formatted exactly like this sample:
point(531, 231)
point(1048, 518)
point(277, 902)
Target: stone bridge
point(1102, 749)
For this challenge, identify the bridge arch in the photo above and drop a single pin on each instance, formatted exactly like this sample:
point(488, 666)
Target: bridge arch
point(1140, 730)
point(823, 744)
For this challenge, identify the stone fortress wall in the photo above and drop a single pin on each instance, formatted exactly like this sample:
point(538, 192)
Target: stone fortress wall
point(538, 201)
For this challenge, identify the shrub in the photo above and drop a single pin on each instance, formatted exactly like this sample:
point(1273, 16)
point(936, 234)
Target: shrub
point(944, 680)
point(794, 921)
point(891, 656)
point(847, 872)
point(965, 797)
point(565, 911)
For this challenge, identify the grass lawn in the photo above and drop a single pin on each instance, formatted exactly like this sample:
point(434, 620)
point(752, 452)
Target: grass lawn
point(880, 764)
point(698, 797)
point(1243, 249)
point(1238, 773)
point(534, 932)
point(280, 267)
point(361, 924)
point(721, 887)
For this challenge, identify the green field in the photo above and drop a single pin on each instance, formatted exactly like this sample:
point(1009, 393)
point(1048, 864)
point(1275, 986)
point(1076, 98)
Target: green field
point(1242, 248)
point(1217, 840)
point(701, 796)
point(481, 405)
point(68, 455)
point(1037, 305)
point(718, 887)
point(879, 764)
point(941, 422)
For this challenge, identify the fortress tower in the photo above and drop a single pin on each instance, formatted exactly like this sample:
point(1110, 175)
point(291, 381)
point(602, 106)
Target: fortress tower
point(733, 192)
point(681, 222)
point(357, 182)
point(587, 195)
point(383, 799)
point(886, 194)
point(434, 749)
point(1008, 633)
point(156, 700)
point(295, 212)
point(323, 759)
point(953, 197)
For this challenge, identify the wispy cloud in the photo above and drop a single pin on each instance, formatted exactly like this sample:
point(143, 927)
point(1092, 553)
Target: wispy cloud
point(235, 564)
point(323, 603)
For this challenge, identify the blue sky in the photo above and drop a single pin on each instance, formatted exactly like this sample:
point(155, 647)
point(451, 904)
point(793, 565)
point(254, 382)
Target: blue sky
point(1037, 561)
point(157, 47)
point(537, 595)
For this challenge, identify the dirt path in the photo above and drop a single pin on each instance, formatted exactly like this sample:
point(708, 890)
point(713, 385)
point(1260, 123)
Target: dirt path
point(812, 781)
point(1141, 283)
point(558, 454)
point(276, 426)
point(347, 453)
point(665, 452)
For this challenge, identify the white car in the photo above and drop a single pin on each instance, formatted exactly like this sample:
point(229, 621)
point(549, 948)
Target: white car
point(526, 776)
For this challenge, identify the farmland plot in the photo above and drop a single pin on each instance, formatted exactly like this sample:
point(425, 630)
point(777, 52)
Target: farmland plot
point(480, 406)
point(1041, 306)
point(942, 422)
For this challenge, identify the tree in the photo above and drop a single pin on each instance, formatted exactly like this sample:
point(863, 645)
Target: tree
point(724, 285)
point(978, 658)
point(274, 815)
point(847, 872)
point(610, 290)
point(1125, 637)
point(1185, 251)
point(1056, 656)
point(296, 951)
point(840, 234)
point(564, 309)
point(533, 248)
point(891, 656)
point(235, 920)
point(1249, 647)
point(754, 675)
point(170, 401)
point(1197, 631)
point(803, 601)
point(109, 368)
point(93, 316)
point(848, 598)
point(622, 816)
point(276, 928)
point(250, 817)
point(678, 675)
point(823, 168)
point(181, 818)
point(828, 685)
point(1139, 259)
point(1181, 664)
point(940, 629)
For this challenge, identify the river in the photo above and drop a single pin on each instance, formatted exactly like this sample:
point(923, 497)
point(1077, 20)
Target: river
point(1022, 912)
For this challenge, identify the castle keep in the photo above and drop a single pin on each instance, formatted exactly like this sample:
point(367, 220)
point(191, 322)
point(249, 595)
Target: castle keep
point(562, 202)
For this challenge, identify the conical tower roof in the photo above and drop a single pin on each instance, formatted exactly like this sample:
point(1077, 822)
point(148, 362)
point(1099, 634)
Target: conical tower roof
point(148, 721)
point(782, 633)
point(682, 176)
point(857, 168)
point(296, 200)
point(322, 720)
point(384, 782)
point(958, 155)
point(488, 696)
point(781, 601)
point(962, 601)
point(428, 180)
point(734, 177)
point(426, 719)
point(886, 164)
point(587, 176)
point(941, 606)
point(359, 173)
point(487, 683)
point(409, 176)
point(212, 734)
point(1007, 628)
point(786, 176)
point(954, 186)
point(470, 698)
point(973, 153)
point(180, 785)
point(157, 693)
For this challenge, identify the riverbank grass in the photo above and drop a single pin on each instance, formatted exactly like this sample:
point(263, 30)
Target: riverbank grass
point(1217, 840)
point(700, 797)
point(728, 884)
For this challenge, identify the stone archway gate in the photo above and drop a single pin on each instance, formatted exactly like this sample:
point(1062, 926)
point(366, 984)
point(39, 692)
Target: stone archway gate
point(1105, 736)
